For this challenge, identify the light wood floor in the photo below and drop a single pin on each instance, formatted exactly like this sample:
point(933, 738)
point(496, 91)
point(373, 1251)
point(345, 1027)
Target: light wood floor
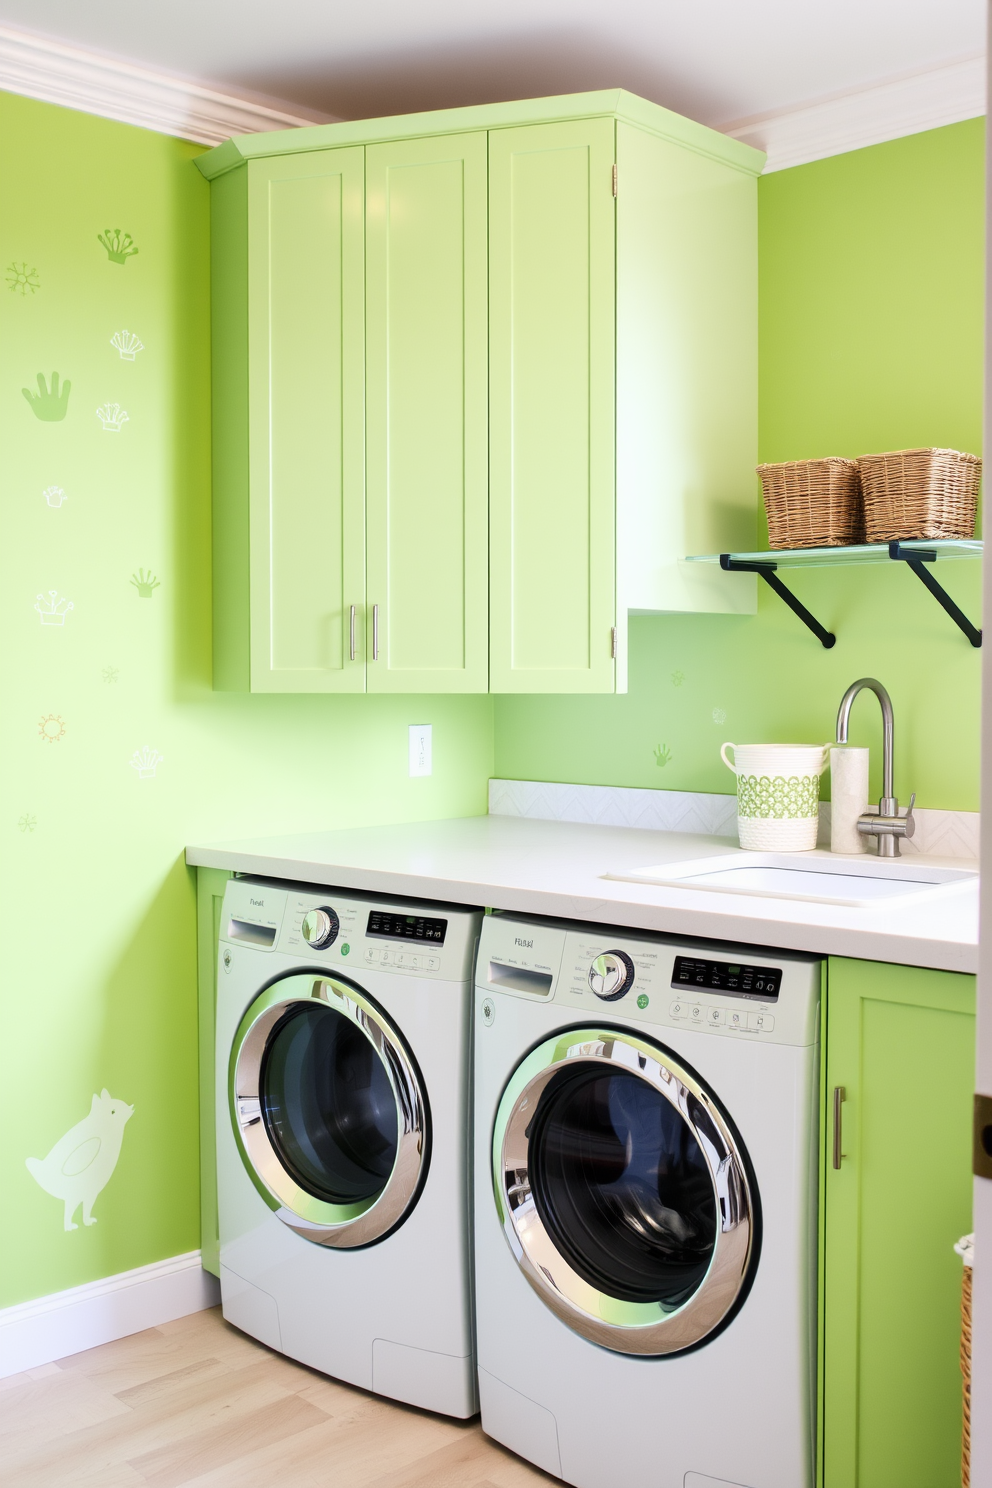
point(196, 1402)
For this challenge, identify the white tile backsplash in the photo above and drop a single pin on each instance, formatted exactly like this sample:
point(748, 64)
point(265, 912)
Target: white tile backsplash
point(944, 834)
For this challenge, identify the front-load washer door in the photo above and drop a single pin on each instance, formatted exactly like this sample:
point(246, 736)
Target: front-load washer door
point(329, 1111)
point(625, 1194)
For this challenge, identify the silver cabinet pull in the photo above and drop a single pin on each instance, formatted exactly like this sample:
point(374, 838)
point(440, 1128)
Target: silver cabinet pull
point(375, 632)
point(351, 634)
point(838, 1106)
point(613, 642)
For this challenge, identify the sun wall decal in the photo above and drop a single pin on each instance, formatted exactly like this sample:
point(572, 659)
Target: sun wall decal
point(51, 728)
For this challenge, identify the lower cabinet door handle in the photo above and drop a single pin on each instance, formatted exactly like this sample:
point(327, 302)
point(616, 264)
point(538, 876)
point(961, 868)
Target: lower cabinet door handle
point(351, 635)
point(838, 1124)
point(375, 632)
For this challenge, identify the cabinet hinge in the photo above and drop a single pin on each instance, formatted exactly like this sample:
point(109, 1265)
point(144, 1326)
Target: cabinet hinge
point(981, 1164)
point(614, 180)
point(613, 642)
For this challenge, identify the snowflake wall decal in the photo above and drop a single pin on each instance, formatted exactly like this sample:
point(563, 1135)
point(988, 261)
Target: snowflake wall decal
point(719, 715)
point(678, 678)
point(20, 279)
point(110, 674)
point(52, 728)
point(27, 822)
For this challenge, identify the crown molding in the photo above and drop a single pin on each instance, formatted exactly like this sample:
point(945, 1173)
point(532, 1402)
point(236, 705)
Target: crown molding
point(867, 116)
point(55, 72)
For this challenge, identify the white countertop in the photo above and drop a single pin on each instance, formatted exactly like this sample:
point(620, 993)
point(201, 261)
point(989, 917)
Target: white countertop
point(554, 868)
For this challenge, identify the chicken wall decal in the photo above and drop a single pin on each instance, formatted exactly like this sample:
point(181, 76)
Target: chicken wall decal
point(81, 1163)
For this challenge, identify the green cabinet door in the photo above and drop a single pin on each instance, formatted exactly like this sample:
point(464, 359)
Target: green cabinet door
point(306, 332)
point(427, 415)
point(900, 1044)
point(552, 304)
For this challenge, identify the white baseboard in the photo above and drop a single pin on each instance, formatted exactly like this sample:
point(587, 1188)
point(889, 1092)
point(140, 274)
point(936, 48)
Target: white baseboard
point(50, 1328)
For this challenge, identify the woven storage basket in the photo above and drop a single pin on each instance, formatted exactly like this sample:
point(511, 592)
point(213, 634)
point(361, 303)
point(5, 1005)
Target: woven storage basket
point(812, 503)
point(920, 493)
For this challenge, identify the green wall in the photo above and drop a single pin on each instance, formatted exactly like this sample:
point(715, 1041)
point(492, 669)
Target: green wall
point(99, 959)
point(871, 269)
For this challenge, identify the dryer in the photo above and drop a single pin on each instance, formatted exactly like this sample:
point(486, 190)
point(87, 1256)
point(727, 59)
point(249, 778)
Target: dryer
point(646, 1120)
point(342, 1077)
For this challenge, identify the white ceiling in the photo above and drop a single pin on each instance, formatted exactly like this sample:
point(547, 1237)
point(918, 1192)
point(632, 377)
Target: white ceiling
point(718, 61)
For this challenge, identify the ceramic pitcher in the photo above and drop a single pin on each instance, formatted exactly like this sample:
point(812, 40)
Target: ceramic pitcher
point(778, 794)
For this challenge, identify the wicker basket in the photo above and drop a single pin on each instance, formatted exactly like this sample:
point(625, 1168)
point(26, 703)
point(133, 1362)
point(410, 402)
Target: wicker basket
point(812, 503)
point(920, 493)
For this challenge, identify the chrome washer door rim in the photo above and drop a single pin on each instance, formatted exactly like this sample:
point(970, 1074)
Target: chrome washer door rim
point(643, 1328)
point(344, 1226)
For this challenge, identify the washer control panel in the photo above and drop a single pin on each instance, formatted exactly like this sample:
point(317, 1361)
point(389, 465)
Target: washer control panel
point(652, 979)
point(349, 930)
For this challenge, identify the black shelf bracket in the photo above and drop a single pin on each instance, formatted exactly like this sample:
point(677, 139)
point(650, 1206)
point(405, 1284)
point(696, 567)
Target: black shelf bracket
point(915, 560)
point(825, 637)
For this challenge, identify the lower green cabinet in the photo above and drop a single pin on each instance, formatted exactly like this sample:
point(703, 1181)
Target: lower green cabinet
point(898, 1077)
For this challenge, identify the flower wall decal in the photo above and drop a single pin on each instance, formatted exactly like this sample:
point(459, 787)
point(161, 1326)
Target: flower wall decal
point(146, 761)
point(52, 608)
point(119, 245)
point(112, 417)
point(54, 495)
point(127, 344)
point(52, 728)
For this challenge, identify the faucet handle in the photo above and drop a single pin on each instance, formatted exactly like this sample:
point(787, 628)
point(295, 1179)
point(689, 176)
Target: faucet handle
point(909, 818)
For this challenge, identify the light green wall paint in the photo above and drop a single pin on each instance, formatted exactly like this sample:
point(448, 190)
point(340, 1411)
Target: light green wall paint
point(99, 984)
point(871, 339)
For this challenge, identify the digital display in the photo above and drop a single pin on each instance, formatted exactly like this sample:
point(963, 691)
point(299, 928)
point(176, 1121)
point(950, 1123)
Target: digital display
point(762, 983)
point(406, 927)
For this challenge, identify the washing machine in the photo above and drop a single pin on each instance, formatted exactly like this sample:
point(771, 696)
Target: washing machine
point(645, 1206)
point(342, 1076)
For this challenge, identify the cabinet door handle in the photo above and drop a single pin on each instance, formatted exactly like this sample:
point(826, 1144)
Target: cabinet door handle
point(838, 1107)
point(375, 632)
point(351, 634)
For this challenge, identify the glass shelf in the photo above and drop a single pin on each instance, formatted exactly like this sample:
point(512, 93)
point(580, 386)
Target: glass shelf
point(957, 547)
point(915, 553)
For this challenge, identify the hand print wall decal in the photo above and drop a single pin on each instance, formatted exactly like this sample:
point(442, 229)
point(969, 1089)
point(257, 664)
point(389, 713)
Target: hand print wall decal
point(49, 404)
point(144, 582)
point(119, 245)
point(662, 755)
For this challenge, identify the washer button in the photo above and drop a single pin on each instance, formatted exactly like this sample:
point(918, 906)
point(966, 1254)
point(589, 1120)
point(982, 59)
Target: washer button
point(372, 956)
point(697, 1013)
point(736, 1019)
point(715, 1017)
point(677, 1010)
point(761, 1022)
point(432, 963)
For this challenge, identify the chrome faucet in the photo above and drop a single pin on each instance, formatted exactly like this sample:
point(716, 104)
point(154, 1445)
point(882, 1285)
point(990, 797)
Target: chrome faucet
point(886, 825)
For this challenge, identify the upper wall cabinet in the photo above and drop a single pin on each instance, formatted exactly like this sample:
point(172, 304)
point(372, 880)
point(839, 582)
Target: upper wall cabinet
point(482, 379)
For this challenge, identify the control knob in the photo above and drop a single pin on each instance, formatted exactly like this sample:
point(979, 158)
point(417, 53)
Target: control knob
point(320, 927)
point(611, 975)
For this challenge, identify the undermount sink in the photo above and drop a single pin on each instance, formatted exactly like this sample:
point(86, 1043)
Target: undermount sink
point(858, 882)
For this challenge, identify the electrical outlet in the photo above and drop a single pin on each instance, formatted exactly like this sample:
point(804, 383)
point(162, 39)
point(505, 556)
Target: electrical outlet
point(420, 749)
